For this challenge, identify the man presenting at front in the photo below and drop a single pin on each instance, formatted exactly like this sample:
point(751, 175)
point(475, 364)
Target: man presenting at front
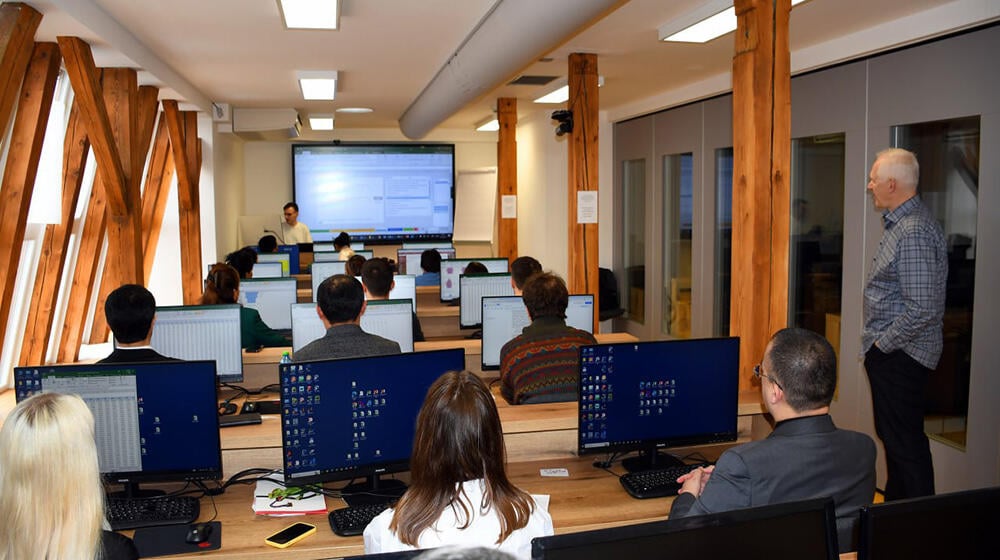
point(903, 307)
point(293, 231)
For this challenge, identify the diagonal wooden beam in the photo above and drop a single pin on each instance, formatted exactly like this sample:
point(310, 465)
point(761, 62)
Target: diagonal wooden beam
point(25, 150)
point(186, 148)
point(48, 279)
point(18, 23)
point(159, 174)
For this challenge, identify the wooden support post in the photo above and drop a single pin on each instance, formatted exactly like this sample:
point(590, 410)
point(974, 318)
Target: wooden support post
point(18, 23)
point(583, 102)
point(30, 121)
point(507, 174)
point(159, 174)
point(186, 149)
point(761, 153)
point(48, 279)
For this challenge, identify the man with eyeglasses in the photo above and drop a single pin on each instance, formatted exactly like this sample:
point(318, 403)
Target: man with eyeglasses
point(806, 456)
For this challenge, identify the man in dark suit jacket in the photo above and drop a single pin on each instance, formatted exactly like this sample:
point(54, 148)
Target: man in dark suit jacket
point(806, 456)
point(131, 311)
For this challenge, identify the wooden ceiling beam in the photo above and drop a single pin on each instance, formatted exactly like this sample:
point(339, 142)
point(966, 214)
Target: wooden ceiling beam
point(182, 128)
point(18, 23)
point(159, 174)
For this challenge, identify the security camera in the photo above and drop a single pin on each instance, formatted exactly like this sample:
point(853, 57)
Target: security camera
point(565, 118)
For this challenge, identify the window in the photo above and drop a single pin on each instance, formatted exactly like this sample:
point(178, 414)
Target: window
point(634, 249)
point(677, 224)
point(723, 237)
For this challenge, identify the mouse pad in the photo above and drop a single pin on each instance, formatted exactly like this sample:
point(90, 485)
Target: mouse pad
point(169, 539)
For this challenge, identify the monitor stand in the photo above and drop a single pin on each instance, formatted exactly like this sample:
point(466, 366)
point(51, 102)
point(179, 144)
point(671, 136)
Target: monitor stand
point(131, 490)
point(649, 460)
point(373, 490)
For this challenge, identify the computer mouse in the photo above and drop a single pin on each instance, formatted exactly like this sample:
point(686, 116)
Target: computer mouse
point(198, 533)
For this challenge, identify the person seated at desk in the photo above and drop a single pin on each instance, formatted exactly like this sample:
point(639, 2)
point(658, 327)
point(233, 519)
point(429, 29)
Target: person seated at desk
point(806, 456)
point(267, 244)
point(292, 230)
point(430, 263)
point(51, 495)
point(342, 244)
point(376, 278)
point(244, 259)
point(459, 491)
point(542, 363)
point(476, 267)
point(340, 302)
point(131, 312)
point(355, 264)
point(222, 287)
point(521, 269)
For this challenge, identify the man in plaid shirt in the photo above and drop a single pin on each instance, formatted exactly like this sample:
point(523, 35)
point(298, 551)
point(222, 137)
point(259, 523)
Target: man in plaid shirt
point(903, 311)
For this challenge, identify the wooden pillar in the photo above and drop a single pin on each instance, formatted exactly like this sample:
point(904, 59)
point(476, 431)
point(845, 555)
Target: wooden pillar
point(507, 174)
point(583, 102)
point(159, 174)
point(182, 128)
point(18, 23)
point(761, 155)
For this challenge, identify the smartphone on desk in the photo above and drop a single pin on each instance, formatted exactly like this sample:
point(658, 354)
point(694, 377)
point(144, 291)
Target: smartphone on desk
point(290, 535)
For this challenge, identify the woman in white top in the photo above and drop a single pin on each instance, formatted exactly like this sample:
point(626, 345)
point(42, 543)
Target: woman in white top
point(459, 491)
point(342, 244)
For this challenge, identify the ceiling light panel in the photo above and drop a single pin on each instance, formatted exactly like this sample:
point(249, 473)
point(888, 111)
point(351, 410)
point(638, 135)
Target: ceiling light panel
point(310, 14)
point(321, 122)
point(321, 85)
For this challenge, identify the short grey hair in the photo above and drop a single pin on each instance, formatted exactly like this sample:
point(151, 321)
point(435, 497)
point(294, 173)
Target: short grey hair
point(899, 164)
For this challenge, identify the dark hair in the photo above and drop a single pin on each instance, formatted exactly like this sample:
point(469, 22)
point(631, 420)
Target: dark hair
point(376, 275)
point(355, 264)
point(243, 260)
point(342, 240)
point(221, 285)
point(545, 295)
point(129, 310)
point(458, 438)
point(340, 298)
point(805, 366)
point(268, 244)
point(523, 268)
point(475, 267)
point(430, 260)
point(291, 205)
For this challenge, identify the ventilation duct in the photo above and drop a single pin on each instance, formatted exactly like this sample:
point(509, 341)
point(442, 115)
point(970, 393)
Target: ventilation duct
point(512, 35)
point(266, 124)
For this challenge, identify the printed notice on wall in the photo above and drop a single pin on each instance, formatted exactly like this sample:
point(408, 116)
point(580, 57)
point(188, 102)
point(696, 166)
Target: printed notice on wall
point(586, 207)
point(508, 206)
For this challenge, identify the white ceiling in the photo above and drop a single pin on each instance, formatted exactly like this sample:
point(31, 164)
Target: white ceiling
point(238, 52)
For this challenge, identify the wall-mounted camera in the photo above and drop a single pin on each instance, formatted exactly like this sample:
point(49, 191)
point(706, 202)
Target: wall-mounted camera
point(565, 119)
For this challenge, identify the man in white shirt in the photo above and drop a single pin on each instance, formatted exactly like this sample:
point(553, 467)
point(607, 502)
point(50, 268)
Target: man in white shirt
point(293, 231)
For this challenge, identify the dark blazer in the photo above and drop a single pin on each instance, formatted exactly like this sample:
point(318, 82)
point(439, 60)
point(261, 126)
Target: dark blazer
point(346, 341)
point(128, 355)
point(802, 458)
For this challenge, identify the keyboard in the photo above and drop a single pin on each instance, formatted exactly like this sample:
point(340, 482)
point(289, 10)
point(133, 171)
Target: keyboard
point(133, 513)
point(350, 521)
point(656, 483)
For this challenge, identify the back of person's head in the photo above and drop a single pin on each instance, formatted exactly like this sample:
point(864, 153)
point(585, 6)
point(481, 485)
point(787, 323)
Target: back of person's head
point(340, 298)
point(523, 268)
point(291, 205)
point(355, 264)
point(51, 498)
point(430, 260)
point(341, 241)
point(268, 244)
point(455, 552)
point(805, 366)
point(458, 438)
point(475, 267)
point(377, 277)
point(243, 260)
point(545, 295)
point(129, 310)
point(899, 164)
point(221, 285)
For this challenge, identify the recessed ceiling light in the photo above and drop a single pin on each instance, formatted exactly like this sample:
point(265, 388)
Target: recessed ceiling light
point(321, 122)
point(310, 14)
point(561, 94)
point(318, 84)
point(710, 20)
point(490, 124)
point(356, 110)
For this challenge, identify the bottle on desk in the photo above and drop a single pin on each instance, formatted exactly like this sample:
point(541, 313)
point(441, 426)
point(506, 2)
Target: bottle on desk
point(286, 358)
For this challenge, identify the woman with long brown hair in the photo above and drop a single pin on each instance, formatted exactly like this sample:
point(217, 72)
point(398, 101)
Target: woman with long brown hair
point(222, 286)
point(459, 491)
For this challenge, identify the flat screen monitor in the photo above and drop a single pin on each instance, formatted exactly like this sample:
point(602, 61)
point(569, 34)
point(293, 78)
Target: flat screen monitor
point(153, 422)
point(327, 247)
point(293, 257)
point(472, 289)
point(409, 259)
point(267, 270)
point(271, 297)
point(321, 270)
point(800, 530)
point(643, 396)
point(504, 318)
point(453, 268)
point(405, 288)
point(202, 332)
point(377, 193)
point(355, 417)
point(306, 325)
point(392, 319)
point(284, 258)
point(956, 525)
point(327, 256)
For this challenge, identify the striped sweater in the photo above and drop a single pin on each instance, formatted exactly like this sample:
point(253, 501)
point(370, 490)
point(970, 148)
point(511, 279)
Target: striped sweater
point(542, 363)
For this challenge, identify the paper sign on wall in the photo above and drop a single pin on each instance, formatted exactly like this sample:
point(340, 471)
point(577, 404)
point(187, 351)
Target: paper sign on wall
point(508, 206)
point(586, 207)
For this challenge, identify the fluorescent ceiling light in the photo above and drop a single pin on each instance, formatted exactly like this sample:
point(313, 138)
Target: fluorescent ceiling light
point(561, 93)
point(355, 110)
point(711, 20)
point(490, 124)
point(321, 122)
point(318, 85)
point(310, 14)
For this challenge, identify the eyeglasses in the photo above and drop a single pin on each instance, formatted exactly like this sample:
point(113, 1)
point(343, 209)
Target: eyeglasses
point(758, 372)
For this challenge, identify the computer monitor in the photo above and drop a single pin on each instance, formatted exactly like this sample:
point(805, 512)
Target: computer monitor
point(405, 288)
point(504, 317)
point(366, 253)
point(788, 531)
point(271, 297)
point(956, 525)
point(283, 258)
point(472, 289)
point(321, 270)
point(202, 332)
point(327, 247)
point(267, 270)
point(355, 418)
point(408, 258)
point(642, 396)
point(306, 325)
point(326, 256)
point(153, 422)
point(293, 257)
point(392, 319)
point(451, 269)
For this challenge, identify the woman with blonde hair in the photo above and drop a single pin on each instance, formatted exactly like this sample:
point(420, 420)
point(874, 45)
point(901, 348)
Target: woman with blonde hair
point(459, 491)
point(222, 286)
point(51, 497)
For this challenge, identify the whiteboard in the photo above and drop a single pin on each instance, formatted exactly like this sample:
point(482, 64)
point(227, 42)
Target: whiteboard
point(475, 205)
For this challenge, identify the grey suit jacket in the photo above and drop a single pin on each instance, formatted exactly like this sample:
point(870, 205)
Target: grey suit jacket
point(346, 341)
point(803, 458)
